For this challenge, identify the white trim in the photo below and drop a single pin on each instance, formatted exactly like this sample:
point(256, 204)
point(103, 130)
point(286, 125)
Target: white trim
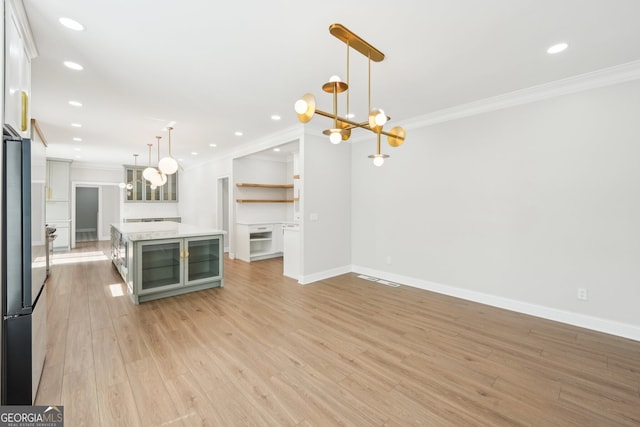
point(24, 28)
point(595, 79)
point(321, 275)
point(576, 319)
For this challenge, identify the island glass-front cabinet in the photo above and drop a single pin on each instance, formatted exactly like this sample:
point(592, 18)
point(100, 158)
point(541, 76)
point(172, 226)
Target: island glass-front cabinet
point(174, 266)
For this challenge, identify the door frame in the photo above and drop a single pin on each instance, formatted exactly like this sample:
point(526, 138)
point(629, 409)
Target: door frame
point(220, 208)
point(74, 200)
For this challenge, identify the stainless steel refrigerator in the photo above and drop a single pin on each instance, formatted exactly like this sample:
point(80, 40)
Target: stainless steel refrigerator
point(24, 304)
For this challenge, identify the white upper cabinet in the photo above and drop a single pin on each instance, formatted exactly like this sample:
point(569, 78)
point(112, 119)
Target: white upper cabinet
point(58, 183)
point(19, 50)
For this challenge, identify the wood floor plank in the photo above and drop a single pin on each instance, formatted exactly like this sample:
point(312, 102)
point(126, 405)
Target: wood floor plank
point(265, 351)
point(117, 406)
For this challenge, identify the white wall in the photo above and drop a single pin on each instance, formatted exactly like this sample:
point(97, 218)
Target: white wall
point(199, 193)
point(518, 207)
point(325, 193)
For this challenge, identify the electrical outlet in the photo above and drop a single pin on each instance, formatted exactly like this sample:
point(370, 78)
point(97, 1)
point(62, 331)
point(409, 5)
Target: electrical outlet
point(583, 294)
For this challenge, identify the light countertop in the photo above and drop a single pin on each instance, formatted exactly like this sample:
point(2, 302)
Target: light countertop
point(136, 231)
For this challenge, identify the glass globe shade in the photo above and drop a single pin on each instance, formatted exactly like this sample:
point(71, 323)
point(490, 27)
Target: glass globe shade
point(378, 160)
point(168, 165)
point(148, 173)
point(153, 186)
point(301, 106)
point(122, 185)
point(160, 179)
point(335, 137)
point(129, 186)
point(381, 118)
point(334, 79)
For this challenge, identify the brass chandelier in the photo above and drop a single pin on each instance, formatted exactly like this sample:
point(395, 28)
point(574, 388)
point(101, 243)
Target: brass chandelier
point(341, 130)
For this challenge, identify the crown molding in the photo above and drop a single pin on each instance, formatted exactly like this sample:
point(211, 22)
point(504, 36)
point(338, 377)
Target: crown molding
point(24, 28)
point(582, 82)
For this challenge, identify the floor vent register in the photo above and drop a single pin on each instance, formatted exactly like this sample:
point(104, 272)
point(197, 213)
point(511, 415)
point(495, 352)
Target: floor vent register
point(381, 281)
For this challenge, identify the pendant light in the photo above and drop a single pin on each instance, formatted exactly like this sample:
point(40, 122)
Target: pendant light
point(149, 172)
point(168, 165)
point(160, 177)
point(153, 175)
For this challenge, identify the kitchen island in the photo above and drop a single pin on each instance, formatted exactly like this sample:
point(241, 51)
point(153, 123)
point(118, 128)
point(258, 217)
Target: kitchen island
point(162, 259)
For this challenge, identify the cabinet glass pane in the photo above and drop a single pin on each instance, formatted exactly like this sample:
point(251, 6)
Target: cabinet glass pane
point(170, 189)
point(134, 177)
point(151, 194)
point(203, 261)
point(160, 265)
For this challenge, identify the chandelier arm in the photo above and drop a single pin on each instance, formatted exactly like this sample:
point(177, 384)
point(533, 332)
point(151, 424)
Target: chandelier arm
point(363, 125)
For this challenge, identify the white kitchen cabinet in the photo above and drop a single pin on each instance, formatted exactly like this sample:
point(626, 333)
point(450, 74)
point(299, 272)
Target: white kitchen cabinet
point(18, 52)
point(258, 241)
point(62, 241)
point(291, 250)
point(58, 180)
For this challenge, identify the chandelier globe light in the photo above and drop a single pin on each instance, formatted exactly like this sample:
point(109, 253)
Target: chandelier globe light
point(149, 172)
point(168, 165)
point(305, 107)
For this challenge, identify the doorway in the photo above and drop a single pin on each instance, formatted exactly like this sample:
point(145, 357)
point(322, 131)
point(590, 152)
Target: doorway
point(223, 209)
point(87, 211)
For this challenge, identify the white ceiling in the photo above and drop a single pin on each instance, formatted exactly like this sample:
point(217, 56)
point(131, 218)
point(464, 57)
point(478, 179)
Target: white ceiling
point(219, 67)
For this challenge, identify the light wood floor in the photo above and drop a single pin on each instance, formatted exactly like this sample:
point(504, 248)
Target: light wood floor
point(265, 351)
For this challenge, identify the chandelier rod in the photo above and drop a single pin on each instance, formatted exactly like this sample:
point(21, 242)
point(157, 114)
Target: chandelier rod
point(363, 125)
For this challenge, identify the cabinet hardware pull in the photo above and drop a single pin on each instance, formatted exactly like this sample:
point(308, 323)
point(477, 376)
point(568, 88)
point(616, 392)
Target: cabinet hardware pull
point(25, 110)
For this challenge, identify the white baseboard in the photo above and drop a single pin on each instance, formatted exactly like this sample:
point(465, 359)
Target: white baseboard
point(589, 322)
point(310, 278)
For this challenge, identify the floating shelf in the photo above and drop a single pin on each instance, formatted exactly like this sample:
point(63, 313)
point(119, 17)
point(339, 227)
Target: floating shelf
point(264, 200)
point(248, 184)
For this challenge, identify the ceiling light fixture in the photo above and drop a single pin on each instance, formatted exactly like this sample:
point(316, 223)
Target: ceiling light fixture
point(75, 103)
point(73, 65)
point(238, 133)
point(71, 24)
point(76, 125)
point(557, 48)
point(275, 117)
point(77, 139)
point(341, 131)
point(168, 165)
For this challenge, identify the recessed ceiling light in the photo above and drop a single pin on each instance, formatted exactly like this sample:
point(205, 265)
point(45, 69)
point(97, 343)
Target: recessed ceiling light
point(275, 117)
point(193, 153)
point(212, 145)
point(77, 139)
point(276, 149)
point(557, 48)
point(73, 65)
point(75, 103)
point(350, 116)
point(238, 133)
point(71, 24)
point(76, 125)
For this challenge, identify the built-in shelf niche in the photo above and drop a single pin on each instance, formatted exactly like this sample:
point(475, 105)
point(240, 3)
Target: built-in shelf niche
point(257, 185)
